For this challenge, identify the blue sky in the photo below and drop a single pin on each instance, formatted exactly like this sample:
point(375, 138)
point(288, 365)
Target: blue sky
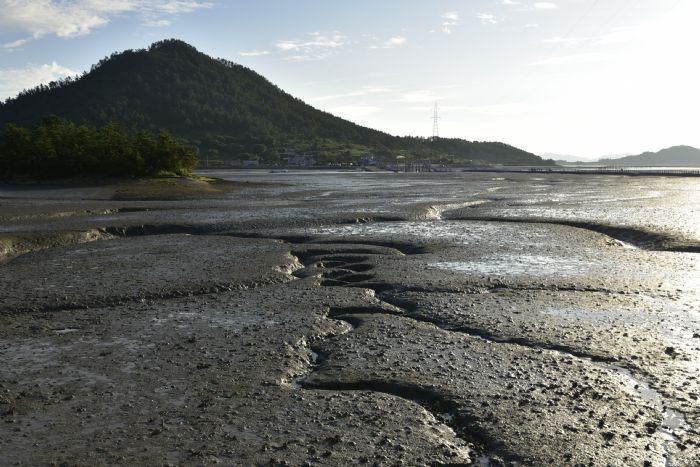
point(580, 77)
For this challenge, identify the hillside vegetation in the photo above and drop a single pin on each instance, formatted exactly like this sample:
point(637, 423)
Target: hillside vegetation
point(225, 110)
point(57, 148)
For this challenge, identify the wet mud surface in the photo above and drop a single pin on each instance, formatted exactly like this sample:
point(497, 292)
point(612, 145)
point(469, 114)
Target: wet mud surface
point(353, 319)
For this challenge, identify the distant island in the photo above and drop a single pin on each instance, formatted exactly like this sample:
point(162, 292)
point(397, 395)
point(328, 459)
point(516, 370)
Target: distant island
point(676, 156)
point(673, 156)
point(231, 115)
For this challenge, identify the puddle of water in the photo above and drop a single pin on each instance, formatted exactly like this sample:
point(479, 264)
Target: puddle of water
point(313, 356)
point(482, 461)
point(672, 421)
point(24, 357)
point(508, 265)
point(452, 231)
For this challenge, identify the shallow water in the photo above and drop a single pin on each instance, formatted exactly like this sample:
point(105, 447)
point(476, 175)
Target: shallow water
point(668, 203)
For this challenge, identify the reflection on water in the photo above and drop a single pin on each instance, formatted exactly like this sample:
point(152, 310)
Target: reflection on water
point(451, 231)
point(667, 203)
point(529, 265)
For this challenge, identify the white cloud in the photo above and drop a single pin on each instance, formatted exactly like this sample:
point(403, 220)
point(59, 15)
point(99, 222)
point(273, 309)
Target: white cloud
point(621, 35)
point(15, 44)
point(487, 18)
point(493, 110)
point(316, 47)
point(450, 20)
point(390, 43)
point(565, 40)
point(618, 35)
point(420, 96)
point(510, 2)
point(160, 23)
point(451, 16)
point(546, 6)
point(79, 17)
point(352, 112)
point(395, 41)
point(573, 59)
point(363, 91)
point(254, 53)
point(12, 81)
point(171, 7)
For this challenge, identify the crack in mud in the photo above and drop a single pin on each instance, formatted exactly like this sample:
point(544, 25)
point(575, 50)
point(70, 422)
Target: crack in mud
point(672, 421)
point(350, 269)
point(442, 409)
point(350, 279)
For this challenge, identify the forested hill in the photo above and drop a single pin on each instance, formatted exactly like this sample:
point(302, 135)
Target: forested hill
point(224, 109)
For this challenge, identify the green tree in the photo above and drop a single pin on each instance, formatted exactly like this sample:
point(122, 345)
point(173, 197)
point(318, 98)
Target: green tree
point(57, 148)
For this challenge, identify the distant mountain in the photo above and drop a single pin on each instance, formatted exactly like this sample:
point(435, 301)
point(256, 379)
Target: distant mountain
point(226, 110)
point(565, 158)
point(676, 155)
point(615, 156)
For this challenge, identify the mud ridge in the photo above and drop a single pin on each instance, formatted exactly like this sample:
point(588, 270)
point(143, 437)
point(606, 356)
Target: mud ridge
point(459, 422)
point(67, 214)
point(111, 302)
point(347, 315)
point(398, 308)
point(168, 229)
point(404, 247)
point(13, 245)
point(441, 408)
point(638, 237)
point(428, 398)
point(158, 229)
point(383, 287)
point(313, 255)
point(344, 314)
point(645, 391)
point(409, 310)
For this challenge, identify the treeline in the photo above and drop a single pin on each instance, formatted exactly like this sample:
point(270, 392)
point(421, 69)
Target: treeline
point(57, 148)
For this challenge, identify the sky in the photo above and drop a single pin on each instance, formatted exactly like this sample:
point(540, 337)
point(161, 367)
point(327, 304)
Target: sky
point(584, 78)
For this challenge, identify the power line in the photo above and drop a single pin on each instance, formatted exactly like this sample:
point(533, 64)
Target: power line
point(436, 129)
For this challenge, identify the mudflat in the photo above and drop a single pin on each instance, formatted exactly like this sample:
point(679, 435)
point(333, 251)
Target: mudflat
point(320, 318)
